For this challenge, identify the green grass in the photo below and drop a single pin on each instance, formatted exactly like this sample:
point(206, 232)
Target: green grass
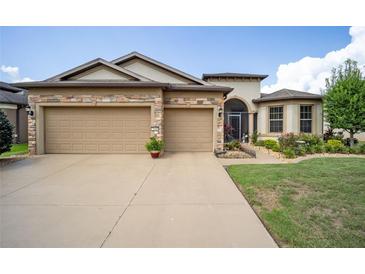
point(315, 203)
point(16, 149)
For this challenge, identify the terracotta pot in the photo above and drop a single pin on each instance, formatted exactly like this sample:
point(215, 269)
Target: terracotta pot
point(155, 154)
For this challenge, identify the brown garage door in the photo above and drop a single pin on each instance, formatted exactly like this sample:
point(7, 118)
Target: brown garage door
point(188, 129)
point(96, 129)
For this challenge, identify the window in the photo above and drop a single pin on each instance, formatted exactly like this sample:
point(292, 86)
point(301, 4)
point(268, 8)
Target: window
point(276, 119)
point(306, 119)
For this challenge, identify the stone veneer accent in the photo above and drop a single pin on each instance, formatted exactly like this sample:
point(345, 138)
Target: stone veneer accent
point(154, 98)
point(33, 100)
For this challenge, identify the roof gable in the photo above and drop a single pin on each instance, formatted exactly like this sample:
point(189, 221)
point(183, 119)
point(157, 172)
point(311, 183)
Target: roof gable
point(155, 70)
point(98, 69)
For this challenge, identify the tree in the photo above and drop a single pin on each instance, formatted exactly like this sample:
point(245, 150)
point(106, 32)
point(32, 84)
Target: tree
point(6, 133)
point(344, 100)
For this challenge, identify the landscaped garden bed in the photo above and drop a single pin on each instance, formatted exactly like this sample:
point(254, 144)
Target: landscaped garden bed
point(235, 150)
point(315, 203)
point(292, 145)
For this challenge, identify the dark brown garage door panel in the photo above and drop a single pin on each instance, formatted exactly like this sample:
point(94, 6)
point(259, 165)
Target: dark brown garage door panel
point(188, 129)
point(96, 129)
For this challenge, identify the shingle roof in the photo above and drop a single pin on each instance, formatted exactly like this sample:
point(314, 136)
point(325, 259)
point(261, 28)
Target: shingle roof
point(233, 75)
point(286, 94)
point(13, 98)
point(135, 54)
point(6, 87)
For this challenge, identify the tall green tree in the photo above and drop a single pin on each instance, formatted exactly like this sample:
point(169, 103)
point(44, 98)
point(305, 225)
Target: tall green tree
point(6, 133)
point(344, 100)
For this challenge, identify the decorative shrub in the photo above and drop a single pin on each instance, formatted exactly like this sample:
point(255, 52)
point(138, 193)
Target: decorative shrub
point(228, 131)
point(311, 139)
point(289, 153)
point(154, 144)
point(300, 151)
point(269, 144)
point(361, 148)
point(6, 133)
point(333, 146)
point(319, 148)
point(331, 135)
point(235, 144)
point(288, 140)
point(276, 148)
point(310, 149)
point(254, 137)
point(260, 143)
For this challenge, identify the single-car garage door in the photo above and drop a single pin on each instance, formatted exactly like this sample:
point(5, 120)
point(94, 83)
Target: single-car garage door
point(188, 129)
point(96, 129)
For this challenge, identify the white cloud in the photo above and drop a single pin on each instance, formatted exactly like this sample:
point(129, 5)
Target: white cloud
point(309, 73)
point(13, 74)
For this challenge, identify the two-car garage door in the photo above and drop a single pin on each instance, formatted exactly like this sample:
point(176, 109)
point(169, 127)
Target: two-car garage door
point(124, 129)
point(96, 129)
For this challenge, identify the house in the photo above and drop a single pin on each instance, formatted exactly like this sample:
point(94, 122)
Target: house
point(13, 102)
point(114, 107)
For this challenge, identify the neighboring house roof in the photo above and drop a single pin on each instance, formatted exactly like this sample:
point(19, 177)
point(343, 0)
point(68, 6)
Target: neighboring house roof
point(135, 54)
point(234, 75)
point(286, 94)
point(6, 87)
point(12, 95)
point(94, 63)
point(7, 97)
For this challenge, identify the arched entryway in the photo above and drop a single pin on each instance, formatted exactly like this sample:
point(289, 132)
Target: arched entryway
point(236, 119)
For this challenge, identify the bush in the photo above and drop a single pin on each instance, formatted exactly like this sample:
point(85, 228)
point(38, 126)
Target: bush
point(319, 148)
point(260, 143)
point(254, 137)
point(276, 148)
point(334, 146)
point(331, 135)
point(154, 144)
point(289, 153)
point(300, 151)
point(6, 133)
point(310, 149)
point(288, 140)
point(269, 144)
point(361, 148)
point(310, 139)
point(235, 144)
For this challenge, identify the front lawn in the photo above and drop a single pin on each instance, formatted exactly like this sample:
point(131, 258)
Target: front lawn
point(16, 149)
point(315, 203)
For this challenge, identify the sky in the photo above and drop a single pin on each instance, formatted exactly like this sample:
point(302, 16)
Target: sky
point(293, 57)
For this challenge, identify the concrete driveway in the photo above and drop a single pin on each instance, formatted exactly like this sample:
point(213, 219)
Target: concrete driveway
point(180, 200)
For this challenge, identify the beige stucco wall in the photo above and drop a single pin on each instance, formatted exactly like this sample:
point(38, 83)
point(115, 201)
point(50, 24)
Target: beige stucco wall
point(153, 72)
point(291, 117)
point(119, 97)
point(246, 90)
point(100, 73)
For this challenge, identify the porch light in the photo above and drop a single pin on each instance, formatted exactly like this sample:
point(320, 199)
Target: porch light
point(29, 110)
point(220, 111)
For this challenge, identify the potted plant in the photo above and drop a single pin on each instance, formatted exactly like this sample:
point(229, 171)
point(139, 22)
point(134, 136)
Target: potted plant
point(154, 146)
